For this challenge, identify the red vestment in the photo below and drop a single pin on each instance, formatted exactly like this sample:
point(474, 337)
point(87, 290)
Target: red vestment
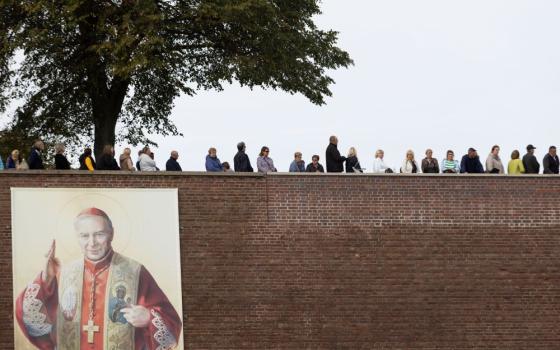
point(40, 301)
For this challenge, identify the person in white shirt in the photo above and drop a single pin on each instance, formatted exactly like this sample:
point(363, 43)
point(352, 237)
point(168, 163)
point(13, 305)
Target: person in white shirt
point(409, 165)
point(146, 162)
point(379, 165)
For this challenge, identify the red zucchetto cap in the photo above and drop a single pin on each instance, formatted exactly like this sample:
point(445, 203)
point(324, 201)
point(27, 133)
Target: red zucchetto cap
point(94, 212)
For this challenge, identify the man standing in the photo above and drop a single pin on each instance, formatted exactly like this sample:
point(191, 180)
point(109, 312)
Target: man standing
point(530, 162)
point(241, 162)
point(101, 301)
point(470, 164)
point(172, 164)
point(35, 160)
point(335, 162)
point(550, 162)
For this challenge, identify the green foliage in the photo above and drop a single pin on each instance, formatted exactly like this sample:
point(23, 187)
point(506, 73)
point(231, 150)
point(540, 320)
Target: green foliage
point(90, 65)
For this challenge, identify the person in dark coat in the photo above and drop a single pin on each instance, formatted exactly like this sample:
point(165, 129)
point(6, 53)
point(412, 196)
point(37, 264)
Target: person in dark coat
point(352, 163)
point(86, 160)
point(470, 164)
point(107, 160)
point(241, 162)
point(314, 166)
point(35, 160)
point(172, 164)
point(530, 162)
point(550, 163)
point(60, 160)
point(335, 162)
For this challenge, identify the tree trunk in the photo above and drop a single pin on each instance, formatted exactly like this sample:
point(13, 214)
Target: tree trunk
point(106, 111)
point(104, 132)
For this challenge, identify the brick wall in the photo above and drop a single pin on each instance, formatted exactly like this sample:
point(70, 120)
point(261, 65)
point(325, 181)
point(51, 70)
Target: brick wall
point(350, 262)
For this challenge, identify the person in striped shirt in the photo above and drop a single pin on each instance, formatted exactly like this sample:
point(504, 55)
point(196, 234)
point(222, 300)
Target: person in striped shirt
point(449, 165)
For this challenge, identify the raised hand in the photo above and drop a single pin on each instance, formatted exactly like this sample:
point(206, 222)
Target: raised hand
point(52, 265)
point(137, 315)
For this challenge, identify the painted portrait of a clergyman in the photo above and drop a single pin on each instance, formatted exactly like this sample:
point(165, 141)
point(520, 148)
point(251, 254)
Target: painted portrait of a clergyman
point(103, 300)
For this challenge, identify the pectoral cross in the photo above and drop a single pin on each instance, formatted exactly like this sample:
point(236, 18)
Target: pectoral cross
point(90, 328)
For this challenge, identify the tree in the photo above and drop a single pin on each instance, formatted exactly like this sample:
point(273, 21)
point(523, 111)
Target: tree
point(90, 65)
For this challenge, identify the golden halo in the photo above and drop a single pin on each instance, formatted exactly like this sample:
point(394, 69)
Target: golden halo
point(64, 229)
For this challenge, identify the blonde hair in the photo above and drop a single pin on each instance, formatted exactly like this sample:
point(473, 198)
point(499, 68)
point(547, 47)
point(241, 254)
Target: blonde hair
point(59, 148)
point(352, 152)
point(378, 152)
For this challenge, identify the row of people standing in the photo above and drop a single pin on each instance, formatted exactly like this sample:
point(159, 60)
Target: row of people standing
point(335, 162)
point(471, 164)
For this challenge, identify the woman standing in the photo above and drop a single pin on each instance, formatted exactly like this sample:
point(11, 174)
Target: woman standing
point(409, 165)
point(515, 165)
point(265, 164)
point(60, 160)
point(107, 160)
point(449, 165)
point(493, 162)
point(213, 163)
point(14, 160)
point(352, 163)
point(379, 165)
point(125, 160)
point(430, 165)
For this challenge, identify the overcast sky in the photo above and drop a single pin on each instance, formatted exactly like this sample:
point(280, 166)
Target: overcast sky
point(443, 74)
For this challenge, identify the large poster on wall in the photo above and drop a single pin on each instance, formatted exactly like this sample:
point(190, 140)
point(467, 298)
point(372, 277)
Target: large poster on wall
point(96, 269)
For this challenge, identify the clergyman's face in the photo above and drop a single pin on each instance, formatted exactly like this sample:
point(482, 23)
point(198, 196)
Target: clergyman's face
point(94, 237)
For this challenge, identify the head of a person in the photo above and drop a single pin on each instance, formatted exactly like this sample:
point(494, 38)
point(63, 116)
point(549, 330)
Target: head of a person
point(40, 145)
point(471, 153)
point(334, 140)
point(127, 152)
point(495, 150)
point(297, 156)
point(108, 150)
point(121, 292)
point(352, 152)
point(552, 150)
point(175, 155)
point(531, 149)
point(379, 154)
point(212, 152)
point(152, 155)
point(264, 151)
point(88, 151)
point(94, 231)
point(429, 153)
point(15, 154)
point(225, 166)
point(315, 159)
point(146, 150)
point(450, 155)
point(241, 146)
point(59, 148)
point(409, 155)
point(515, 154)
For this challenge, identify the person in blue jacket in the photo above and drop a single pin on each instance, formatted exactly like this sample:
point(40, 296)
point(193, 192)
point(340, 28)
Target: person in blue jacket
point(470, 164)
point(298, 165)
point(35, 160)
point(213, 163)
